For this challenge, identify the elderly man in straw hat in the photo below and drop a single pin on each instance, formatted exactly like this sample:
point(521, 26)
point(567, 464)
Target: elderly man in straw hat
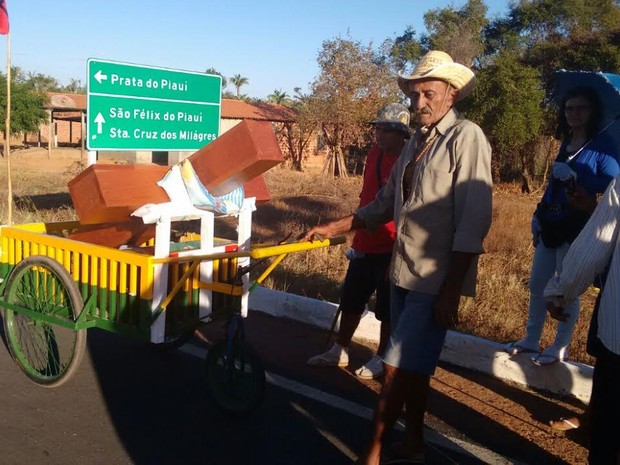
point(439, 195)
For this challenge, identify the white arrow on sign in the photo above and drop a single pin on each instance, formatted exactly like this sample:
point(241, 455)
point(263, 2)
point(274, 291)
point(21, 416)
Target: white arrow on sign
point(99, 119)
point(100, 77)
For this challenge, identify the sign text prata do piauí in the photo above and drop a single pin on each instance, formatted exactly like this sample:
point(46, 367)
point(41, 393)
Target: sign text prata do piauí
point(135, 107)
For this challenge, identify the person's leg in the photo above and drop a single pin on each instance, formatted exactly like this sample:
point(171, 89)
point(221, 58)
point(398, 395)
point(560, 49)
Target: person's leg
point(605, 410)
point(420, 356)
point(384, 337)
point(357, 288)
point(389, 407)
point(543, 267)
point(349, 322)
point(392, 395)
point(356, 291)
point(382, 307)
point(414, 347)
point(565, 328)
point(380, 263)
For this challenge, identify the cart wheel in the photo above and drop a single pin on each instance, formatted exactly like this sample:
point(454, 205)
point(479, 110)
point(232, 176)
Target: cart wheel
point(237, 381)
point(48, 353)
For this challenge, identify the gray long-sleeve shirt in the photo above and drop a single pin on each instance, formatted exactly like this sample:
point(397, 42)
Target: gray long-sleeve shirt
point(449, 208)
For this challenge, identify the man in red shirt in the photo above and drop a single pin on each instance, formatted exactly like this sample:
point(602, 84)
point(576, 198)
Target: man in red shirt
point(370, 252)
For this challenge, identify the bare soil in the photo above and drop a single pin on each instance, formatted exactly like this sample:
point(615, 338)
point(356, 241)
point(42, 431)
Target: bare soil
point(475, 403)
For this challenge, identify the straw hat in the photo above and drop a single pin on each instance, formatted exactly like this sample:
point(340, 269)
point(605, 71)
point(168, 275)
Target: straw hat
point(439, 65)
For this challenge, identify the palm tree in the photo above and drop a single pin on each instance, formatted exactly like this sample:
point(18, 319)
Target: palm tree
point(17, 74)
point(41, 82)
point(278, 97)
point(238, 81)
point(217, 73)
point(74, 87)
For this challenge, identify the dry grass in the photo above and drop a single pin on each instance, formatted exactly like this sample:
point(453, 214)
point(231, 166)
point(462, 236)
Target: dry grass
point(299, 200)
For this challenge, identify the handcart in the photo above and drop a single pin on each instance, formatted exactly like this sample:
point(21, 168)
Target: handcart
point(54, 288)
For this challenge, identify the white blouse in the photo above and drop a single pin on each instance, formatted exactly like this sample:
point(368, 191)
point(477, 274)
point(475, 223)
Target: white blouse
point(595, 247)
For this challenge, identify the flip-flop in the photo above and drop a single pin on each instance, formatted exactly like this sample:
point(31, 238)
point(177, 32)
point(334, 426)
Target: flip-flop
point(564, 424)
point(513, 349)
point(543, 360)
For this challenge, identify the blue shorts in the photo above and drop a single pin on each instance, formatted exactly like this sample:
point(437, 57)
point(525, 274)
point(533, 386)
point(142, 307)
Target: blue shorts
point(416, 341)
point(366, 275)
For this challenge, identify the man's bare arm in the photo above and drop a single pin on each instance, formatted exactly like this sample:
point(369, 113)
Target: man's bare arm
point(447, 306)
point(335, 228)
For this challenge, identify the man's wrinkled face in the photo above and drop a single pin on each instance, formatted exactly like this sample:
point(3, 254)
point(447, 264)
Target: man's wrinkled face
point(431, 99)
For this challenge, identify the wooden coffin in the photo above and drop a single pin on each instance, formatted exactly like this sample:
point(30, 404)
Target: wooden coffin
point(106, 193)
point(239, 155)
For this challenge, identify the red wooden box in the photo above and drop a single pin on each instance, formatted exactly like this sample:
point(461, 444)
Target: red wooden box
point(237, 156)
point(105, 193)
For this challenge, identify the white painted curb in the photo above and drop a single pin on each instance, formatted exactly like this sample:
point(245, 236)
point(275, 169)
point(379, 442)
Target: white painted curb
point(566, 378)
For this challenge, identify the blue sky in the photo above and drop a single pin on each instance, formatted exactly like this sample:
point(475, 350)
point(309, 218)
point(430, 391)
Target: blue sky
point(274, 43)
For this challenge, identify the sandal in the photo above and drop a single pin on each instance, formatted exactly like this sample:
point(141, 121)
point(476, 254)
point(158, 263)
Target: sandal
point(544, 359)
point(515, 348)
point(565, 424)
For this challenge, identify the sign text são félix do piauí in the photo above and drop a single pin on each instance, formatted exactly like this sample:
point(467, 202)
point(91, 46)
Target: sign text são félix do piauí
point(136, 107)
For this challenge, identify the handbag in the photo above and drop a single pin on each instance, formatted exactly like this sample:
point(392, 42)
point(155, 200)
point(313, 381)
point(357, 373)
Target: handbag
point(553, 223)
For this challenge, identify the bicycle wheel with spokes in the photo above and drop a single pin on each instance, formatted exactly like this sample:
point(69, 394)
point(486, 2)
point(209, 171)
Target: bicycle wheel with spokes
point(236, 377)
point(48, 353)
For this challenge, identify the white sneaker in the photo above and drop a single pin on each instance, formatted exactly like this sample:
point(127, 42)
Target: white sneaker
point(372, 369)
point(337, 356)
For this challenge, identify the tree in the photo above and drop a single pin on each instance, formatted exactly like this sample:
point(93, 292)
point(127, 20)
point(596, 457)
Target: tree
point(238, 81)
point(217, 73)
point(74, 87)
point(457, 32)
point(296, 136)
point(27, 106)
point(569, 34)
point(17, 74)
point(507, 103)
point(406, 49)
point(353, 83)
point(278, 97)
point(41, 82)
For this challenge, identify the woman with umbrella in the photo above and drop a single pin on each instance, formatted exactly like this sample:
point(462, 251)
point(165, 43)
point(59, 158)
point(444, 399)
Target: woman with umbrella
point(585, 165)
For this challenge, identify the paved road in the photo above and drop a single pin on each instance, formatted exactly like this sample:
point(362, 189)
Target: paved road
point(130, 403)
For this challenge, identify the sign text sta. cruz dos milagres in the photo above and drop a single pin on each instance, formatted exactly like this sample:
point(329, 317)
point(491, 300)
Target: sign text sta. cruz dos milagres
point(135, 107)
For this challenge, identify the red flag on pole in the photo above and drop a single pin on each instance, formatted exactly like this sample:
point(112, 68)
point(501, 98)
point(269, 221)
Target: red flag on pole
point(4, 18)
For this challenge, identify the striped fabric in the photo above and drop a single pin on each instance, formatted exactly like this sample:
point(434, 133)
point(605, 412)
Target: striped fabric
point(595, 247)
point(201, 198)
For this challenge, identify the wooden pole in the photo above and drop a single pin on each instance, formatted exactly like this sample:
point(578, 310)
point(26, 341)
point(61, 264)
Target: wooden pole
point(49, 133)
point(82, 133)
point(7, 139)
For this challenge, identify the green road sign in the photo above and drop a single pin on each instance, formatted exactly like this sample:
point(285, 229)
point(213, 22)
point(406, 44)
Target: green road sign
point(135, 107)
